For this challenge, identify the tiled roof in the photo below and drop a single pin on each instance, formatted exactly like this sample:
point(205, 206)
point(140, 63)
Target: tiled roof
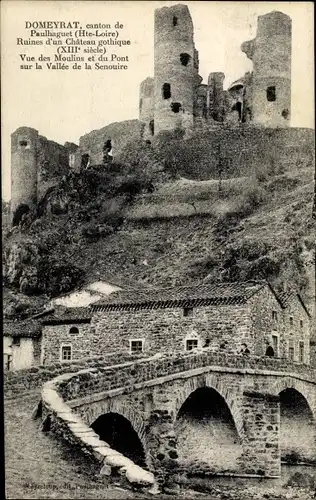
point(68, 315)
point(25, 329)
point(184, 296)
point(287, 297)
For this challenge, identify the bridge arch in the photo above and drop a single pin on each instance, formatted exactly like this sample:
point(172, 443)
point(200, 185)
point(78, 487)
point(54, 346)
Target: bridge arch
point(232, 397)
point(127, 410)
point(301, 387)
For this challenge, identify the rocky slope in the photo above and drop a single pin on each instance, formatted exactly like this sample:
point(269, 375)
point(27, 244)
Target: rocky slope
point(139, 223)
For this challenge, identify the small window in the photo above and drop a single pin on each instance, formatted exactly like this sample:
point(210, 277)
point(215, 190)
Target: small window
point(301, 352)
point(275, 344)
point(73, 329)
point(291, 353)
point(8, 361)
point(23, 143)
point(66, 353)
point(140, 103)
point(270, 351)
point(152, 127)
point(301, 323)
point(175, 21)
point(166, 91)
point(188, 311)
point(136, 346)
point(16, 341)
point(185, 59)
point(191, 344)
point(175, 107)
point(274, 315)
point(285, 114)
point(291, 320)
point(271, 95)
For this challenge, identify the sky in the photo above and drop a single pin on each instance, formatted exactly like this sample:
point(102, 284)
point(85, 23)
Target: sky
point(63, 106)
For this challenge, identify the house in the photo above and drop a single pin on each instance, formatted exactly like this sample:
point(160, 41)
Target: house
point(21, 344)
point(237, 318)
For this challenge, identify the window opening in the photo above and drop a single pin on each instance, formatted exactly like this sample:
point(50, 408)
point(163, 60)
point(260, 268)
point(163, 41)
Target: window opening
point(271, 95)
point(191, 344)
point(291, 320)
point(175, 106)
point(274, 315)
point(66, 353)
point(152, 127)
point(175, 21)
point(185, 59)
point(188, 311)
point(136, 346)
point(16, 341)
point(74, 329)
point(275, 344)
point(291, 353)
point(270, 351)
point(301, 352)
point(166, 91)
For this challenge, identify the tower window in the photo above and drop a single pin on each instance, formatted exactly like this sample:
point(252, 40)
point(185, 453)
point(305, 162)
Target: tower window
point(285, 113)
point(73, 330)
point(152, 127)
point(271, 95)
point(175, 21)
point(166, 91)
point(23, 143)
point(140, 103)
point(175, 106)
point(136, 346)
point(184, 59)
point(301, 352)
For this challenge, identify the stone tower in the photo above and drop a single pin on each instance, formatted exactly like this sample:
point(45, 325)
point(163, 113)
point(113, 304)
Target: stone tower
point(146, 106)
point(270, 52)
point(215, 102)
point(24, 144)
point(175, 68)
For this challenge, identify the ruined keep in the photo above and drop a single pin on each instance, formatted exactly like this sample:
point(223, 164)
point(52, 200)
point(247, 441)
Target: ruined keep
point(176, 98)
point(36, 165)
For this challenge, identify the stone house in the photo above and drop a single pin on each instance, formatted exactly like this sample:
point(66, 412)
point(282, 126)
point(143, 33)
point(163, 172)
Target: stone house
point(21, 344)
point(231, 317)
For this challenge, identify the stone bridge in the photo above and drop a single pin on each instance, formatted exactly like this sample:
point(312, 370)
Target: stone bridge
point(199, 412)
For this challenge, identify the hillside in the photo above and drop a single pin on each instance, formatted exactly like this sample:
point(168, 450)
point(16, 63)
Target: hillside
point(147, 221)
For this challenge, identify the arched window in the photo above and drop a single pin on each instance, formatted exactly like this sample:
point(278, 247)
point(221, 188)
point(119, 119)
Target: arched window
point(184, 59)
point(73, 329)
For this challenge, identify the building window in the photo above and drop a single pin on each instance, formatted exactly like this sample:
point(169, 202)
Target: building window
point(174, 20)
point(270, 351)
point(188, 311)
point(301, 352)
point(184, 59)
point(291, 353)
point(271, 95)
point(74, 329)
point(191, 344)
point(275, 344)
point(301, 323)
point(16, 341)
point(152, 127)
point(136, 346)
point(166, 91)
point(274, 315)
point(175, 107)
point(291, 320)
point(71, 160)
point(66, 353)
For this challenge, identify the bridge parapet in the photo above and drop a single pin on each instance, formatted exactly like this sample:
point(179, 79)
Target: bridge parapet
point(129, 374)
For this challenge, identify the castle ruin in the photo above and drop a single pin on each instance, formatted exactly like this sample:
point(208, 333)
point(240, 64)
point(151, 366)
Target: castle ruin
point(176, 99)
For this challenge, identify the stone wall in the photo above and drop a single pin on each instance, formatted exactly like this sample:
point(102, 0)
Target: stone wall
point(120, 133)
point(244, 148)
point(168, 329)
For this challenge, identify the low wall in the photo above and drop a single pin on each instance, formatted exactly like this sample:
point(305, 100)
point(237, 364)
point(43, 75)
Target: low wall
point(127, 375)
point(59, 418)
point(19, 382)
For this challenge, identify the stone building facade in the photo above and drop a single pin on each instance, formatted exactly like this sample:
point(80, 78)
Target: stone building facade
point(175, 97)
point(234, 318)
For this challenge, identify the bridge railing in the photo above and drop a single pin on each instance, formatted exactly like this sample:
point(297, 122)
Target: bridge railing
point(128, 374)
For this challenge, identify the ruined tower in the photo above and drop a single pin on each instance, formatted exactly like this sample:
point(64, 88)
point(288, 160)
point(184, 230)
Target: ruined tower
point(175, 68)
point(146, 106)
point(270, 52)
point(23, 170)
point(215, 96)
